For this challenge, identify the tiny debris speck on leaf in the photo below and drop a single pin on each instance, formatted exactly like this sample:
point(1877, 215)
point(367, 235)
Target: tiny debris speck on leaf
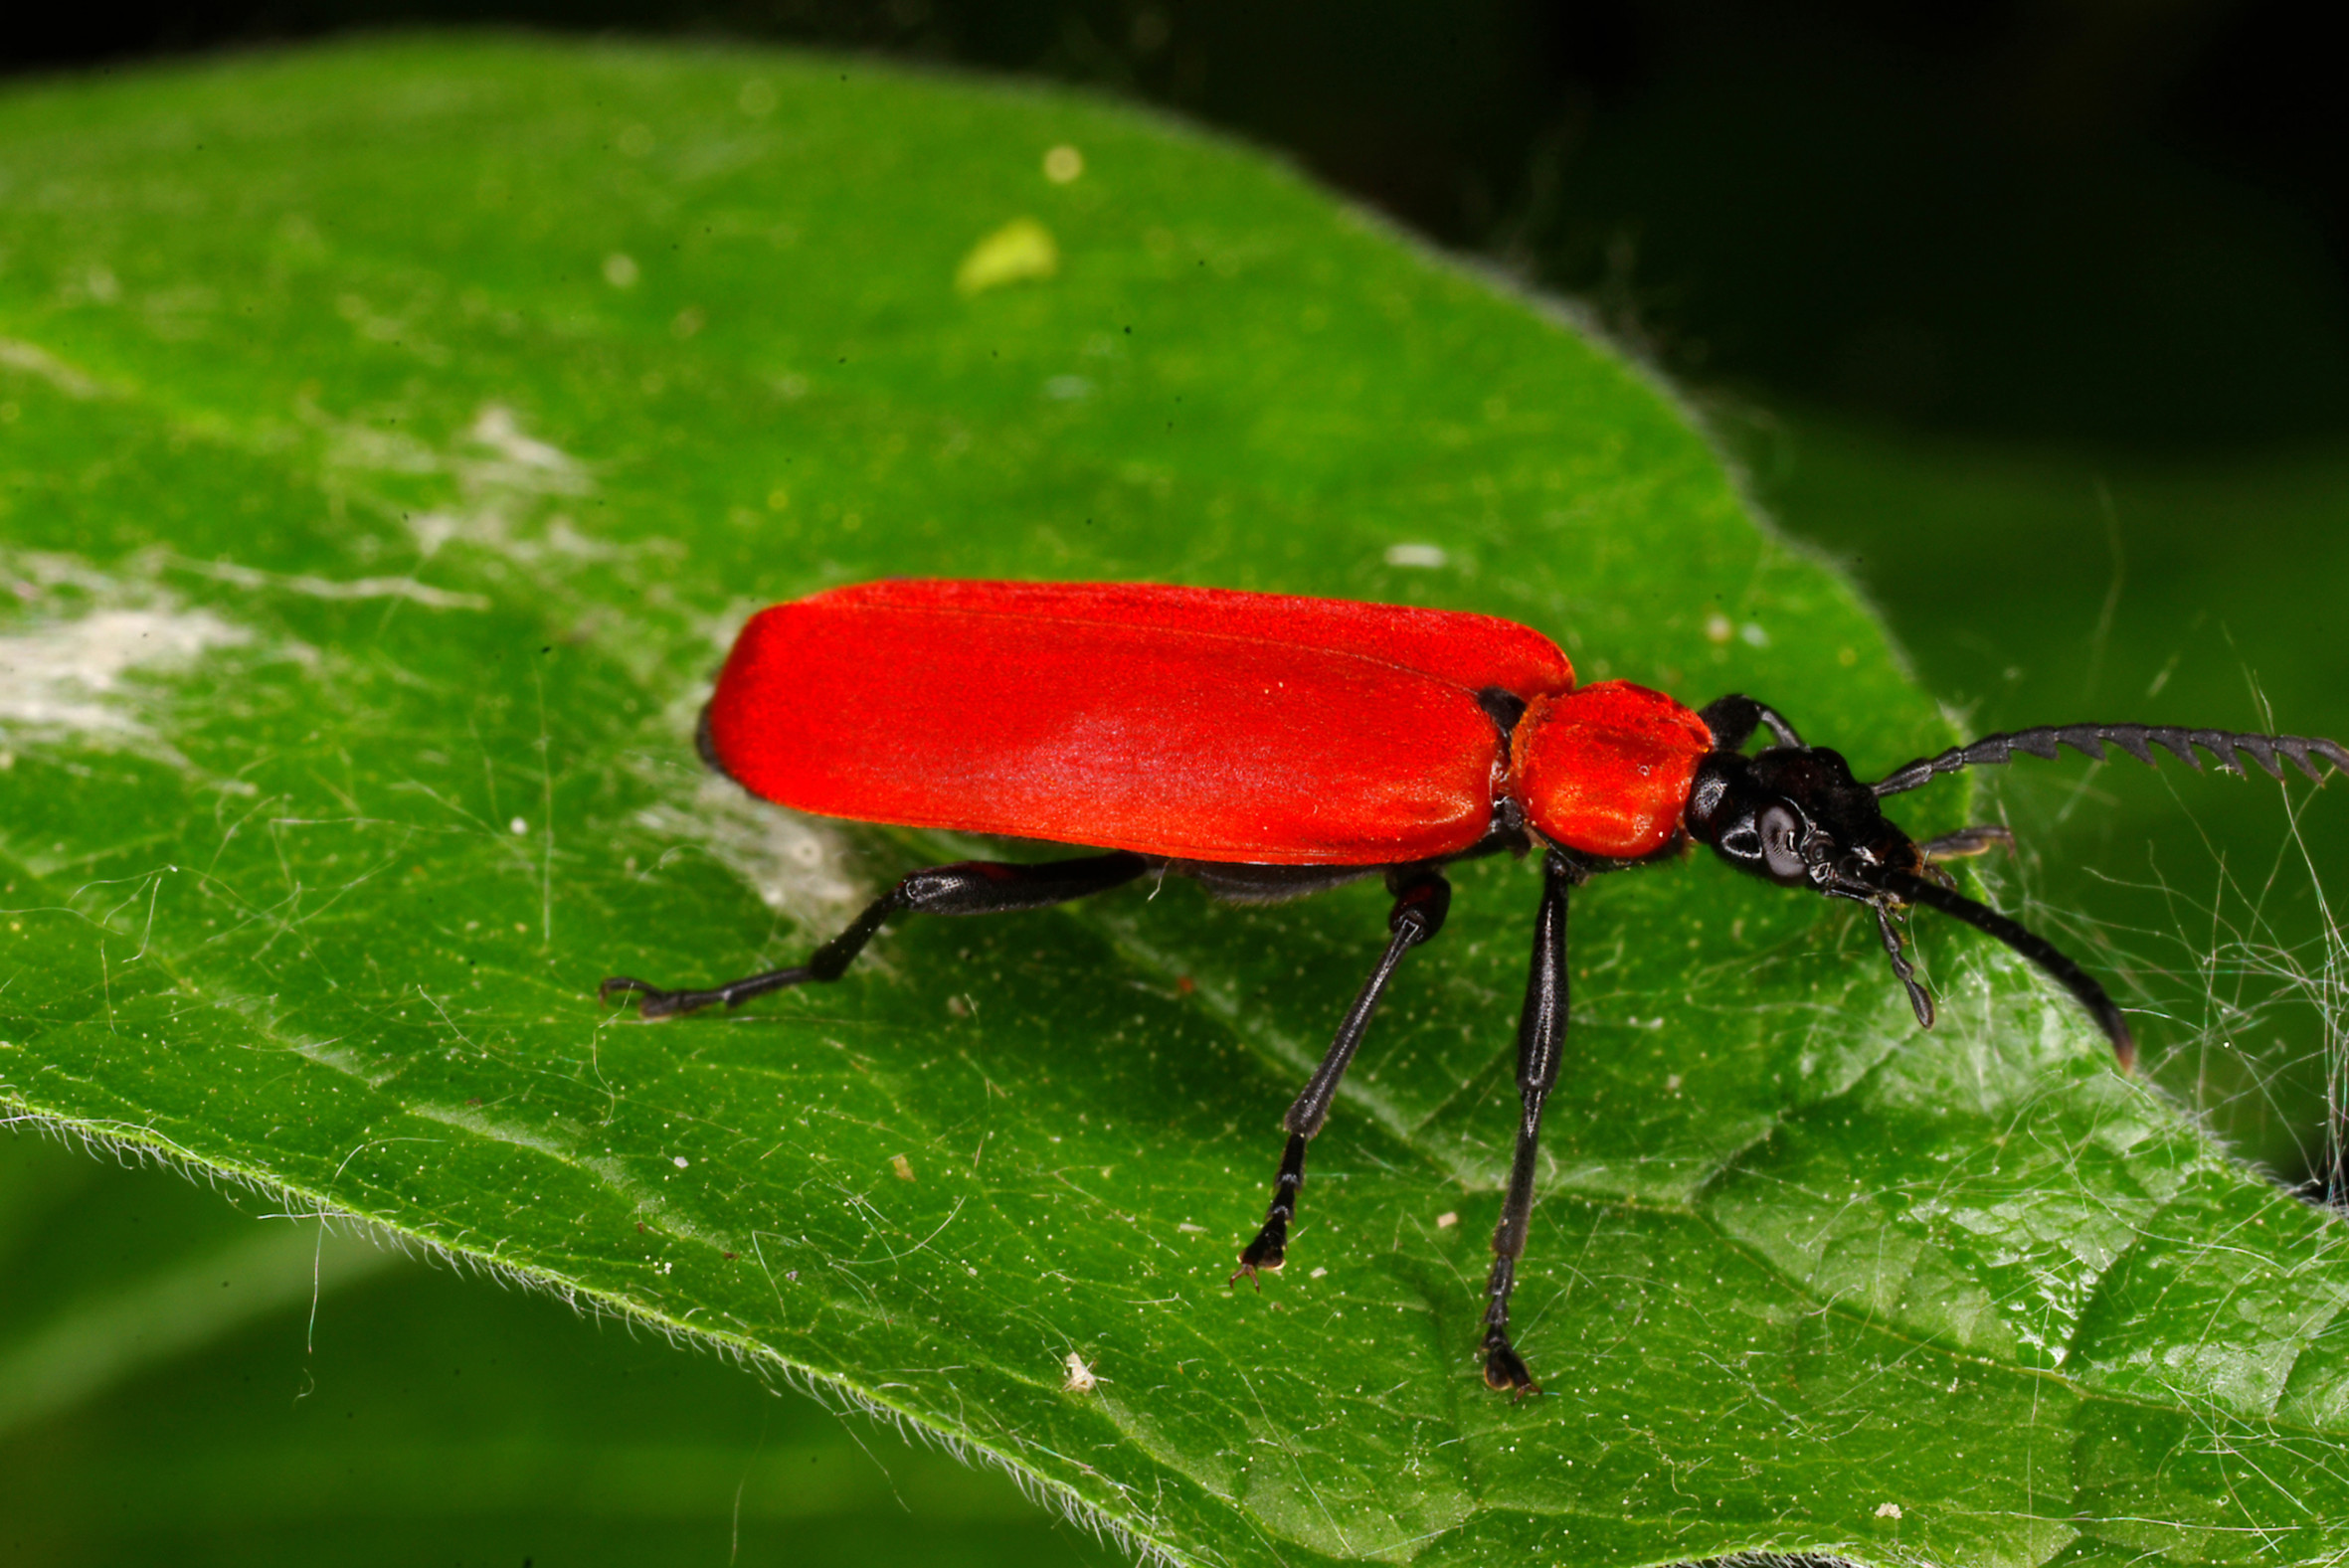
point(1021, 251)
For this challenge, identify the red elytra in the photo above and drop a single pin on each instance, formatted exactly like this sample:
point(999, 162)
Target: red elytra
point(1269, 747)
point(1271, 729)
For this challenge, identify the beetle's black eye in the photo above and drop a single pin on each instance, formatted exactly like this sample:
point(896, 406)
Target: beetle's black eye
point(1782, 843)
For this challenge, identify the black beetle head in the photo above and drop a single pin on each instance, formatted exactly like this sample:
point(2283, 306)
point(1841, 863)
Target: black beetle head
point(1793, 814)
point(1796, 817)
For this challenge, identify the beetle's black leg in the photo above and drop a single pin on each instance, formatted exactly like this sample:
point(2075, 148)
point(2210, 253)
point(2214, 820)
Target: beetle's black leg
point(1540, 1042)
point(1919, 999)
point(1734, 719)
point(1966, 842)
point(1421, 898)
point(968, 887)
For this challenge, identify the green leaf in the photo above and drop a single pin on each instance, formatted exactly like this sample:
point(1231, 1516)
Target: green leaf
point(396, 434)
point(354, 1407)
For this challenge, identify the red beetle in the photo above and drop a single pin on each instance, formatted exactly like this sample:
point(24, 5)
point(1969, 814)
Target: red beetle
point(1271, 747)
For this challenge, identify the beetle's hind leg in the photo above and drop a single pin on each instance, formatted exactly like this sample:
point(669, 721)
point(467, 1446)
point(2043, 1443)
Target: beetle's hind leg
point(968, 887)
point(1421, 899)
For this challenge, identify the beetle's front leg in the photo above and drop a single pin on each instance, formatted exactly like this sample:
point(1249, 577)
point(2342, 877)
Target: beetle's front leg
point(1421, 898)
point(1540, 1042)
point(1734, 719)
point(1966, 842)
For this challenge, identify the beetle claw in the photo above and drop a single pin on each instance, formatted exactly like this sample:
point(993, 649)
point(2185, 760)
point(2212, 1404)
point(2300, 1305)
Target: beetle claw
point(1266, 1253)
point(1506, 1371)
point(653, 1003)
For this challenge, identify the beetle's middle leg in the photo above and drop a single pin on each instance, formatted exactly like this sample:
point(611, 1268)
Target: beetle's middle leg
point(1421, 899)
point(1540, 1042)
point(968, 887)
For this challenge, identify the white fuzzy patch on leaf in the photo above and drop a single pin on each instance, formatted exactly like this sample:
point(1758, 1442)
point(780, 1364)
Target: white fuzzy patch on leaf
point(71, 677)
point(37, 361)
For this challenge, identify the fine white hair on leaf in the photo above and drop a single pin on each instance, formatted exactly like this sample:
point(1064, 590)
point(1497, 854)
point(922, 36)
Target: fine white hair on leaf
point(34, 360)
point(791, 860)
point(310, 585)
point(70, 677)
point(496, 428)
point(1135, 1537)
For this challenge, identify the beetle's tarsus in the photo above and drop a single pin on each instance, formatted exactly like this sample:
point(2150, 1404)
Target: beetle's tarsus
point(1506, 1371)
point(1966, 842)
point(1265, 1255)
point(655, 1002)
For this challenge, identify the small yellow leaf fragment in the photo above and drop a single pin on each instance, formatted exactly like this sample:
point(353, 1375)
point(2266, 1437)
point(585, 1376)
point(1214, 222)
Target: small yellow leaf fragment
point(1063, 163)
point(1080, 1379)
point(903, 1166)
point(1020, 252)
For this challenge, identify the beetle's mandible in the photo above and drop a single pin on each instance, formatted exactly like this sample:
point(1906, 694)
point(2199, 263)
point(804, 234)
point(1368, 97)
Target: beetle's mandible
point(1271, 747)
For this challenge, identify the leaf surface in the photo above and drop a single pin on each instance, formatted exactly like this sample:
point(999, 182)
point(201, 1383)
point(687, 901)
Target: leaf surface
point(395, 437)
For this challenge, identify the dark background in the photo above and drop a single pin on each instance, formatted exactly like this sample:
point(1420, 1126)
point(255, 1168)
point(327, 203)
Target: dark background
point(2115, 220)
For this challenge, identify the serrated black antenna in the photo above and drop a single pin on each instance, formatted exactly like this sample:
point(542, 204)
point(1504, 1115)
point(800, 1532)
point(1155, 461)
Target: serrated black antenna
point(2138, 739)
point(1917, 890)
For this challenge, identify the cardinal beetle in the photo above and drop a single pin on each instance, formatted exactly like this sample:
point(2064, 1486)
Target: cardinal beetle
point(1271, 747)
